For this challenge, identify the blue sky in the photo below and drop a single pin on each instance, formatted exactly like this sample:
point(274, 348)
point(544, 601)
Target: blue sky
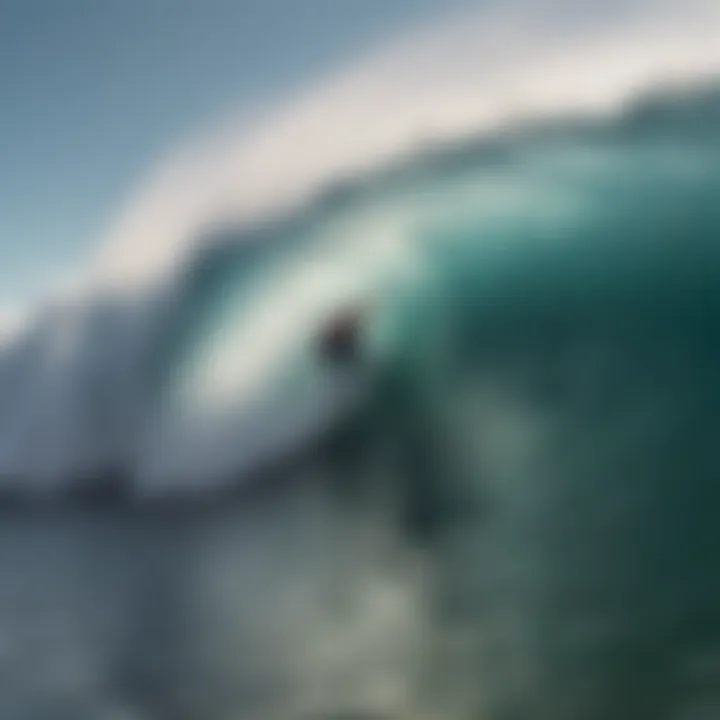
point(93, 93)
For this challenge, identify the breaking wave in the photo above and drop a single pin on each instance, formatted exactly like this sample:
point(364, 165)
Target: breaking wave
point(216, 370)
point(503, 504)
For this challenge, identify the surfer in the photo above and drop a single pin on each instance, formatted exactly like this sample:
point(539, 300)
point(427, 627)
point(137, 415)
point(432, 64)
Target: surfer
point(339, 340)
point(393, 408)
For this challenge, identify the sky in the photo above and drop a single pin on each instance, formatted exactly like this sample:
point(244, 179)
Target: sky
point(93, 94)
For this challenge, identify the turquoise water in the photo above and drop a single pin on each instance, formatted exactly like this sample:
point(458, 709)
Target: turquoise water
point(437, 250)
point(544, 310)
point(507, 510)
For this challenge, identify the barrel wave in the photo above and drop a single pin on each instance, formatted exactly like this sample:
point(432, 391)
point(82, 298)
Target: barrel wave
point(514, 482)
point(219, 366)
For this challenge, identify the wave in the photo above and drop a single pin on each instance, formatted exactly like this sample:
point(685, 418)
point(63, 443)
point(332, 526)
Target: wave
point(214, 372)
point(500, 502)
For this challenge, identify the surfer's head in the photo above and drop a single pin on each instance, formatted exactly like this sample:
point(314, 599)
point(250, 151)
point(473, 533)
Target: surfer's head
point(339, 339)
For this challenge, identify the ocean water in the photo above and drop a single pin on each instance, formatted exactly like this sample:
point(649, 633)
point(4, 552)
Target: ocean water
point(505, 509)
